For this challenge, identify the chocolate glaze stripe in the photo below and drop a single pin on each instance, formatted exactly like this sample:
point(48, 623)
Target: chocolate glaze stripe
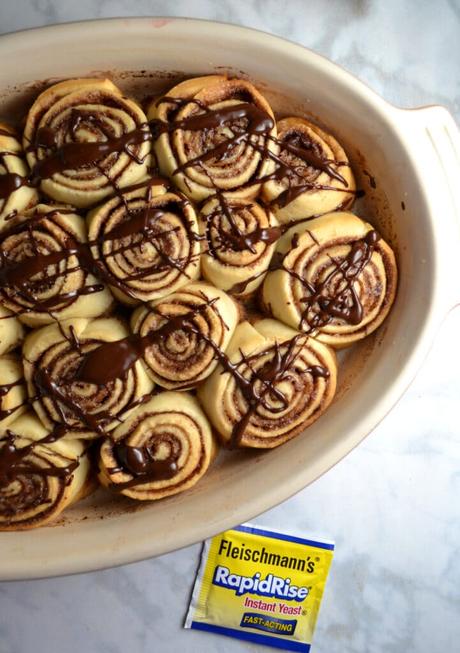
point(11, 182)
point(257, 125)
point(139, 462)
point(349, 269)
point(237, 239)
point(271, 374)
point(114, 359)
point(72, 156)
point(18, 274)
point(12, 463)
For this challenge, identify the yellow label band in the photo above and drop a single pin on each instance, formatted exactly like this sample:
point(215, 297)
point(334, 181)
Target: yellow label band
point(261, 586)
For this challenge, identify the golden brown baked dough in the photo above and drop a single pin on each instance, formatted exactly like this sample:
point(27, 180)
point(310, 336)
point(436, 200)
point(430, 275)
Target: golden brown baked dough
point(164, 447)
point(221, 154)
point(145, 242)
point(279, 381)
point(239, 240)
point(318, 177)
point(13, 393)
point(42, 478)
point(52, 357)
point(186, 329)
point(16, 194)
point(12, 332)
point(236, 207)
point(85, 113)
point(45, 276)
point(336, 279)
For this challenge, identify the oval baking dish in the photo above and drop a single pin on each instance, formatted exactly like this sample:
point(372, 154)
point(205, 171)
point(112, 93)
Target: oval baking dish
point(411, 157)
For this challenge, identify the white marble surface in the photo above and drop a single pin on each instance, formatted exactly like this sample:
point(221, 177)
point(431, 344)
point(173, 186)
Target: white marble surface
point(393, 505)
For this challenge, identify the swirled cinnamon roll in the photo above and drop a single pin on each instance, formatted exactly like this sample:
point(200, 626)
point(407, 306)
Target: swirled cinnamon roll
point(313, 175)
point(13, 395)
point(38, 476)
point(214, 134)
point(16, 194)
point(45, 268)
point(239, 238)
point(184, 333)
point(81, 377)
point(12, 333)
point(145, 244)
point(334, 278)
point(164, 447)
point(84, 140)
point(272, 383)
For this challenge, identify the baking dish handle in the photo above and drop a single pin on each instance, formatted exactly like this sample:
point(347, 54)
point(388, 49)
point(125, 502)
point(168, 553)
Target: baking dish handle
point(435, 141)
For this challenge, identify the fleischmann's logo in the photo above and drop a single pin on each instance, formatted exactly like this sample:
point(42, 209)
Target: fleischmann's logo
point(264, 557)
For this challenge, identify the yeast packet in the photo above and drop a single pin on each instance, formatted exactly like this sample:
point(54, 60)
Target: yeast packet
point(261, 586)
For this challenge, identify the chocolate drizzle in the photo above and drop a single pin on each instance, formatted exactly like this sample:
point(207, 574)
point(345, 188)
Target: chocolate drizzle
point(12, 462)
point(247, 123)
point(114, 359)
point(278, 367)
point(24, 278)
point(141, 464)
point(76, 155)
point(231, 235)
point(297, 163)
point(322, 306)
point(9, 183)
point(4, 390)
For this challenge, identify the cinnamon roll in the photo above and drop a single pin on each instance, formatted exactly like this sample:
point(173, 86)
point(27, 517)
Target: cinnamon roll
point(38, 477)
point(214, 134)
point(313, 175)
point(12, 332)
point(145, 244)
point(84, 140)
point(164, 447)
point(184, 333)
point(45, 268)
point(16, 194)
point(334, 278)
point(81, 377)
point(239, 239)
point(272, 383)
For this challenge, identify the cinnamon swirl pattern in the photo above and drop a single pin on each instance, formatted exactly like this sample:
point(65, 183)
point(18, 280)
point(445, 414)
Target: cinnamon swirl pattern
point(16, 193)
point(273, 383)
point(84, 140)
point(66, 399)
point(164, 447)
point(239, 239)
point(189, 226)
point(45, 268)
point(145, 243)
point(313, 175)
point(183, 332)
point(335, 278)
point(38, 477)
point(214, 134)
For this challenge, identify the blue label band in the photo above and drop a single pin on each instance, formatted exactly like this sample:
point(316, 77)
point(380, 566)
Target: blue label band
point(268, 624)
point(283, 536)
point(256, 638)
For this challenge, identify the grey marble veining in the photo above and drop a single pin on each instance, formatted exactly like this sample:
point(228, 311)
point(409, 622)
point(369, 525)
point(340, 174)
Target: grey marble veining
point(393, 505)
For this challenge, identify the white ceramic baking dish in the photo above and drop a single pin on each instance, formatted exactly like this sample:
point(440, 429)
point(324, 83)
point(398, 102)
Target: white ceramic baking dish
point(414, 157)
